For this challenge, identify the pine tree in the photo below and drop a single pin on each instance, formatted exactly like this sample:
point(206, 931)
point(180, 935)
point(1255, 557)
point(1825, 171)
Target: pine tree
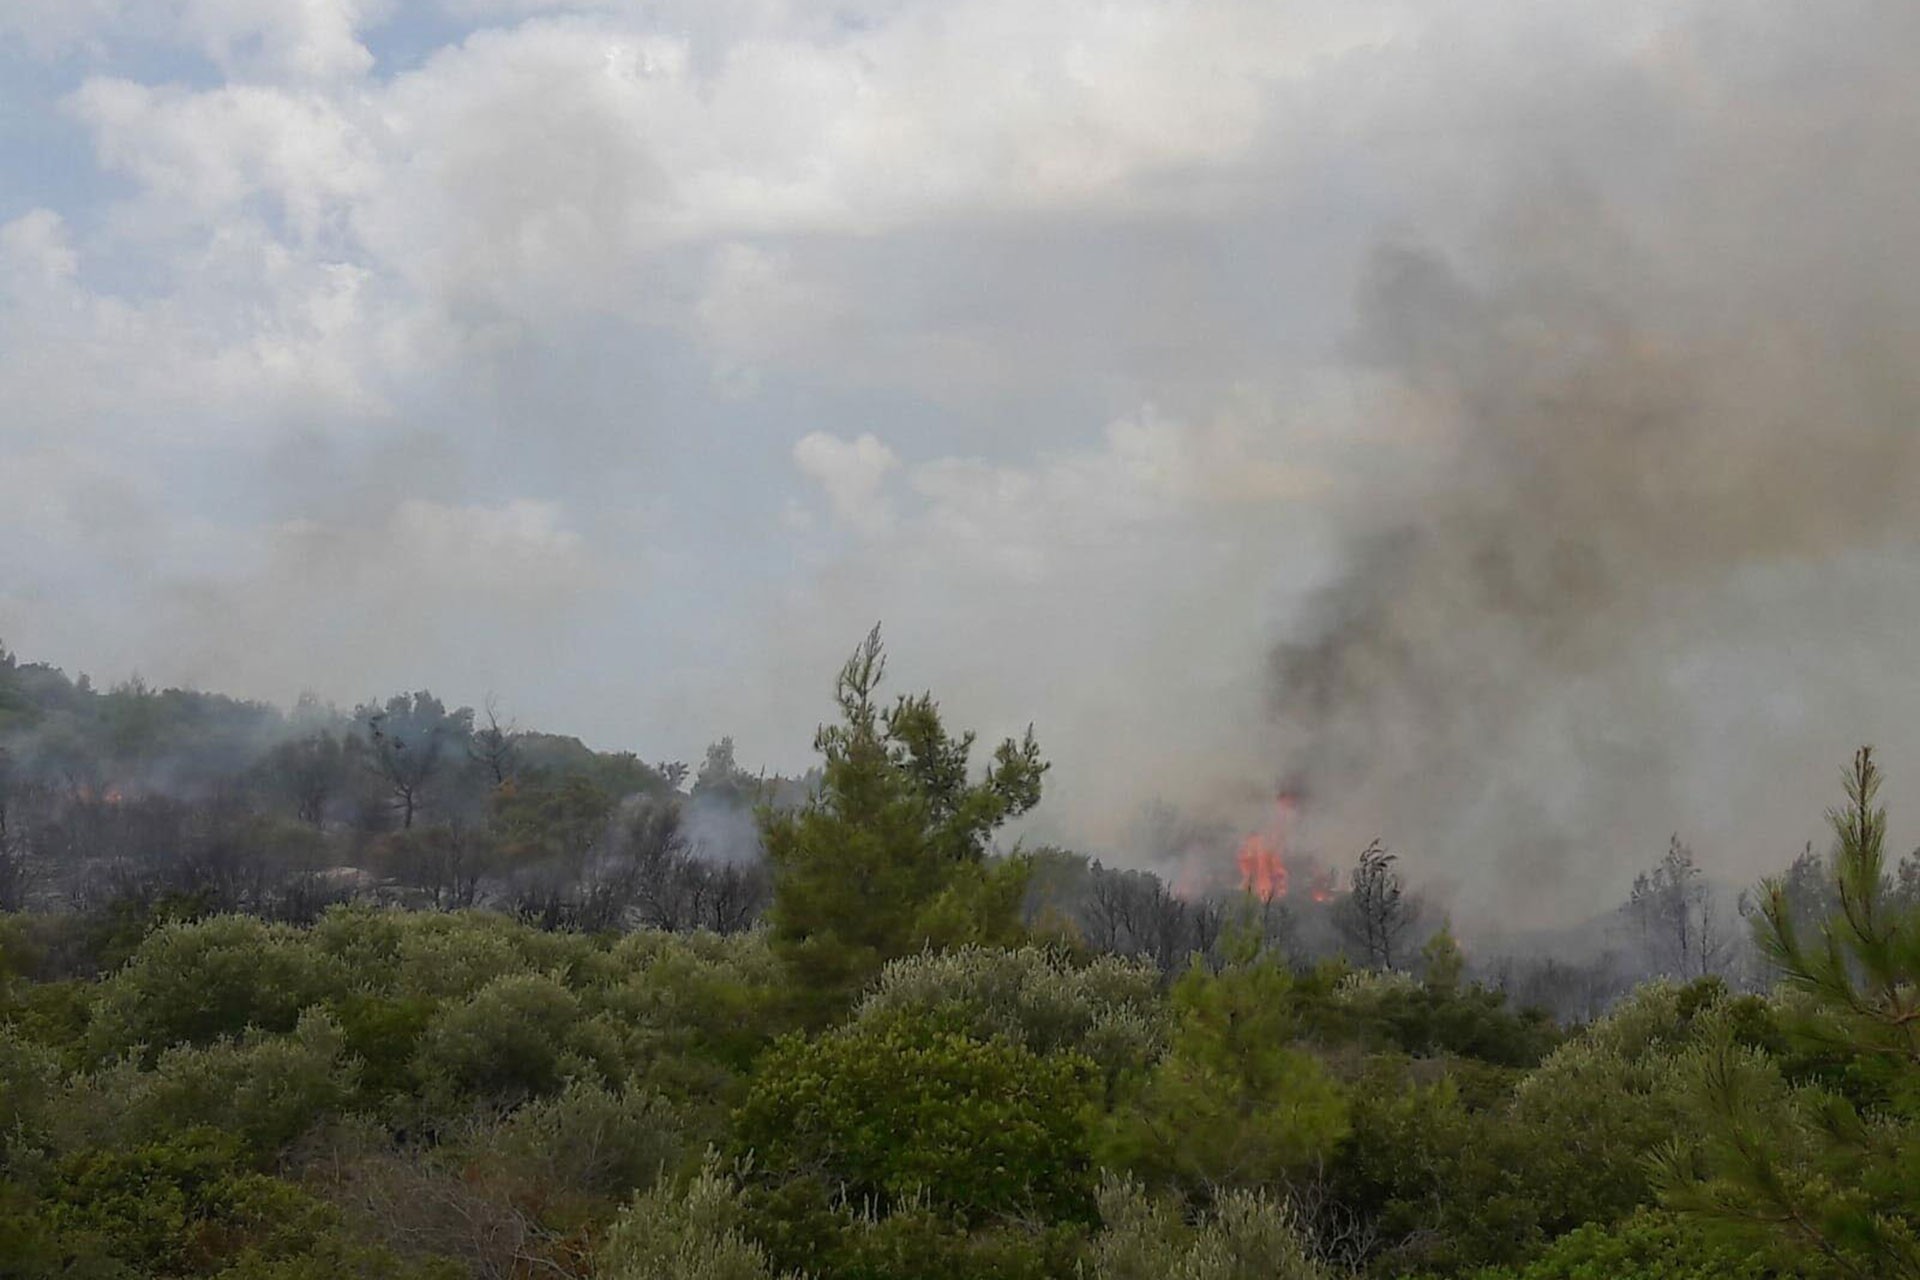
point(1822, 1167)
point(891, 854)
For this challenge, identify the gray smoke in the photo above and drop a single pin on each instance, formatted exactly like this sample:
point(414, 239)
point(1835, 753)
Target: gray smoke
point(1651, 572)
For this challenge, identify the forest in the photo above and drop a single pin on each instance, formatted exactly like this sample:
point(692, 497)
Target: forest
point(412, 991)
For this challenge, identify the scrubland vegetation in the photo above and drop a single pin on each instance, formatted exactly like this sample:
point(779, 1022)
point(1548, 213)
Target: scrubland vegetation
point(393, 995)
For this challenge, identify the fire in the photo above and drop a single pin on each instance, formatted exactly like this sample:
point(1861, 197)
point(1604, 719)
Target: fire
point(1263, 855)
point(1263, 868)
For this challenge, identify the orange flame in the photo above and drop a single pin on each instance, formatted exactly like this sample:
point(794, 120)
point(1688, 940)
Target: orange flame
point(1263, 855)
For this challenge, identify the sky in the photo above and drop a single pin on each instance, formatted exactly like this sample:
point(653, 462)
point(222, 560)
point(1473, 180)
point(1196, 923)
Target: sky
point(627, 361)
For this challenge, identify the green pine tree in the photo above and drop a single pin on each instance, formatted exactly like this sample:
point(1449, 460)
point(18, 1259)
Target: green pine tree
point(892, 853)
point(1825, 1168)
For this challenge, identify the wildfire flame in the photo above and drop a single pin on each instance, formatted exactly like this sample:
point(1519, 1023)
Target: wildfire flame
point(1263, 854)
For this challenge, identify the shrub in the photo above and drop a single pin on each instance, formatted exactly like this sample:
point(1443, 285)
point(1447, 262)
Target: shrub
point(1110, 1010)
point(191, 983)
point(510, 1040)
point(30, 1081)
point(690, 1233)
point(1651, 1245)
point(1247, 1237)
point(264, 1090)
point(591, 1140)
point(907, 1112)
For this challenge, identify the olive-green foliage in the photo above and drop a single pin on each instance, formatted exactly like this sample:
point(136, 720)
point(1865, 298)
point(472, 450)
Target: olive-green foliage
point(494, 1075)
point(1235, 1101)
point(1429, 1171)
point(805, 1226)
point(907, 1112)
point(262, 1089)
point(516, 1037)
point(1789, 1171)
point(1611, 1097)
point(592, 1140)
point(701, 997)
point(1460, 1163)
point(684, 1233)
point(193, 982)
point(1434, 1017)
point(1443, 964)
point(928, 1245)
point(187, 1206)
point(547, 818)
point(385, 1094)
point(1247, 1236)
point(1109, 1009)
point(1651, 1245)
point(30, 1079)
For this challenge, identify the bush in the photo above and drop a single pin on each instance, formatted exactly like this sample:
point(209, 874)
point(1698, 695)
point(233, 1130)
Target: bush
point(1651, 1245)
point(592, 1141)
point(909, 1113)
point(706, 996)
point(927, 1245)
point(1110, 1010)
point(511, 1040)
point(184, 1207)
point(264, 1090)
point(192, 983)
point(690, 1233)
point(1247, 1237)
point(1609, 1098)
point(30, 1081)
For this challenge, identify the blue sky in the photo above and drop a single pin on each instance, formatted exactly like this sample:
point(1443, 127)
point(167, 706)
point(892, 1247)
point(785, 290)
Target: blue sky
point(628, 360)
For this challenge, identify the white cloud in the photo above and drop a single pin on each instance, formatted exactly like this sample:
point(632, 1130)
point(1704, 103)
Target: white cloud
point(200, 157)
point(303, 39)
point(251, 39)
point(853, 473)
point(36, 246)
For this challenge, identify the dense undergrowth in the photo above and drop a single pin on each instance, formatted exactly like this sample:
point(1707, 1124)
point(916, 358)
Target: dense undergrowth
point(893, 1076)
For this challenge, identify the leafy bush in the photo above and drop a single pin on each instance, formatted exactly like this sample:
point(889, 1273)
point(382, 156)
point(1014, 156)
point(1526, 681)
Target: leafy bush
point(905, 1112)
point(1247, 1237)
point(1650, 1245)
point(1110, 1009)
point(591, 1140)
point(191, 983)
point(184, 1207)
point(690, 1233)
point(263, 1090)
point(510, 1040)
point(30, 1080)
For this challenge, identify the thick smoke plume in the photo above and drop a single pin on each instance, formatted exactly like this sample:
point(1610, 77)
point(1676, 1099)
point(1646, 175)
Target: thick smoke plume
point(1670, 454)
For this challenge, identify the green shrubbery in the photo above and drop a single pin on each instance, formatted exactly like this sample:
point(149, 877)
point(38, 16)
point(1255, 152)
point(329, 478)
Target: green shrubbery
point(894, 1082)
point(385, 1081)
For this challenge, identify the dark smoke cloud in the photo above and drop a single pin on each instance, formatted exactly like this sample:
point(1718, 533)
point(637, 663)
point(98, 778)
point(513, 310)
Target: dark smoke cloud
point(1672, 420)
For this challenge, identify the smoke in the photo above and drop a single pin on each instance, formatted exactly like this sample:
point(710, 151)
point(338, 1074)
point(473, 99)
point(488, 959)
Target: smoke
point(721, 833)
point(1670, 422)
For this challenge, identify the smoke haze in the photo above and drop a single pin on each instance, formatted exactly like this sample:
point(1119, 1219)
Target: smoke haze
point(1652, 570)
point(1494, 419)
